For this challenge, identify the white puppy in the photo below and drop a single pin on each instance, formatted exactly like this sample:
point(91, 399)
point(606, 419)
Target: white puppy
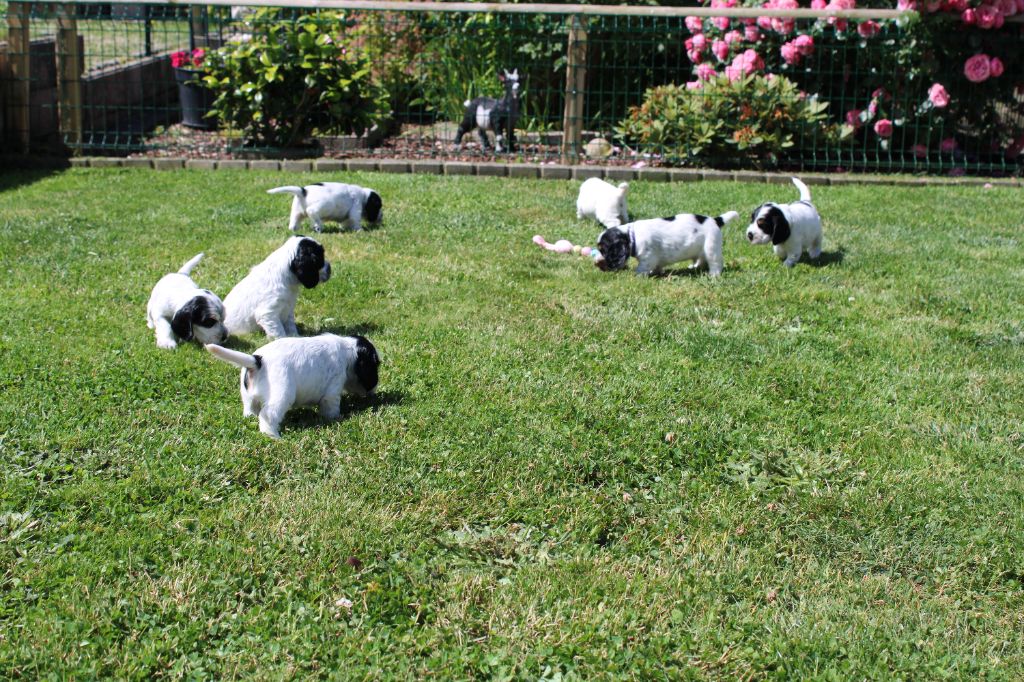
point(662, 241)
point(349, 205)
point(266, 297)
point(302, 371)
point(603, 201)
point(180, 311)
point(791, 229)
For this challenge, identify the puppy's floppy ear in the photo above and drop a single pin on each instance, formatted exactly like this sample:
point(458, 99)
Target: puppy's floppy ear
point(366, 363)
point(614, 246)
point(307, 261)
point(780, 230)
point(181, 323)
point(372, 207)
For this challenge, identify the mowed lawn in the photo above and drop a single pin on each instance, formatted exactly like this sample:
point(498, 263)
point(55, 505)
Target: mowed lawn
point(807, 473)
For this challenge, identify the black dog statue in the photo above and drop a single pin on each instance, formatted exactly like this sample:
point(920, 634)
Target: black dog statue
point(496, 115)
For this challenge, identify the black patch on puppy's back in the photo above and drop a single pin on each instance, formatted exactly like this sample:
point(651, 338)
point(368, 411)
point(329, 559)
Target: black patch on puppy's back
point(614, 246)
point(250, 372)
point(669, 219)
point(366, 363)
point(372, 207)
point(307, 262)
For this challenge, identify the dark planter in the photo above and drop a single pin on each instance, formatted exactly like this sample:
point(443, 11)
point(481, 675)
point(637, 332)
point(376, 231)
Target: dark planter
point(196, 100)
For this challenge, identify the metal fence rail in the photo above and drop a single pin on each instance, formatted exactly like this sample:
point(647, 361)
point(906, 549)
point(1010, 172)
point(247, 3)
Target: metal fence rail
point(97, 78)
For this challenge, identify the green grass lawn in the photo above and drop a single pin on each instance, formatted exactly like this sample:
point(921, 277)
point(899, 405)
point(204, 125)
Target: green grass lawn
point(807, 473)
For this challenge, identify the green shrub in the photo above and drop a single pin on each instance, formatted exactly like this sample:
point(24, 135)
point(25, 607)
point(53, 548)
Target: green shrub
point(752, 119)
point(296, 76)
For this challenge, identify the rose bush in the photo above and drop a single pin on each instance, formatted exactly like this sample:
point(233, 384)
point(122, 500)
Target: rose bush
point(939, 83)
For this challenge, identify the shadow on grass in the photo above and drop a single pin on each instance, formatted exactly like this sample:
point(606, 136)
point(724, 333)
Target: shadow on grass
point(308, 417)
point(826, 259)
point(358, 329)
point(14, 176)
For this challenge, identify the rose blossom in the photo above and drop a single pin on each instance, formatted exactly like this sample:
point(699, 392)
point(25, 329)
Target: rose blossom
point(853, 118)
point(700, 41)
point(721, 23)
point(790, 54)
point(873, 108)
point(906, 5)
point(705, 72)
point(995, 67)
point(938, 96)
point(720, 49)
point(752, 33)
point(805, 44)
point(868, 29)
point(883, 128)
point(986, 16)
point(733, 37)
point(695, 24)
point(694, 85)
point(1007, 7)
point(948, 145)
point(969, 17)
point(818, 4)
point(977, 68)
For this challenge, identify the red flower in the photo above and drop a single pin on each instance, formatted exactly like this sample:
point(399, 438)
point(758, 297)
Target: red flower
point(883, 128)
point(977, 68)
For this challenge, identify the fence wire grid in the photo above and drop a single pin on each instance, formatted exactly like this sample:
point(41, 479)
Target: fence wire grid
point(132, 79)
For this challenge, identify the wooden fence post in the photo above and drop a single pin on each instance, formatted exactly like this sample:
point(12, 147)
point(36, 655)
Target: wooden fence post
point(575, 82)
point(69, 77)
point(19, 86)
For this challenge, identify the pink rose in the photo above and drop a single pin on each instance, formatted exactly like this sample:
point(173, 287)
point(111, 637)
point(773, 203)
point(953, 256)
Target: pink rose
point(700, 41)
point(695, 24)
point(880, 94)
point(721, 23)
point(938, 96)
point(883, 128)
point(868, 29)
point(948, 146)
point(978, 68)
point(790, 54)
point(1007, 7)
point(694, 85)
point(853, 118)
point(744, 64)
point(705, 72)
point(873, 108)
point(720, 49)
point(818, 4)
point(783, 26)
point(805, 45)
point(969, 17)
point(920, 151)
point(957, 5)
point(752, 33)
point(986, 16)
point(765, 23)
point(906, 5)
point(695, 56)
point(733, 37)
point(179, 59)
point(995, 67)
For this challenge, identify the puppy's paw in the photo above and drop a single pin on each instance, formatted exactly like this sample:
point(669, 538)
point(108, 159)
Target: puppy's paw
point(166, 344)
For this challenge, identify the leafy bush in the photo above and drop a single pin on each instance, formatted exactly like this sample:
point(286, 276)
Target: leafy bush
point(748, 118)
point(295, 77)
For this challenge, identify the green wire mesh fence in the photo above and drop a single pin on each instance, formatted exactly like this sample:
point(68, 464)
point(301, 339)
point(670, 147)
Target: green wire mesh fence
point(725, 89)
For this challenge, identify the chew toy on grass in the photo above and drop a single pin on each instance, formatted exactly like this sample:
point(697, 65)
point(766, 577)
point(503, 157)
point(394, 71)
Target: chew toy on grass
point(566, 246)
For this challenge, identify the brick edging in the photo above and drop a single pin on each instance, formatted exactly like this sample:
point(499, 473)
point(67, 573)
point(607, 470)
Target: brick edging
point(520, 170)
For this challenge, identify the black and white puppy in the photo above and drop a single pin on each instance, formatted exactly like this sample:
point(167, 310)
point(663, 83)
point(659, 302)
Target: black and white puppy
point(662, 241)
point(337, 202)
point(791, 229)
point(302, 371)
point(178, 310)
point(265, 298)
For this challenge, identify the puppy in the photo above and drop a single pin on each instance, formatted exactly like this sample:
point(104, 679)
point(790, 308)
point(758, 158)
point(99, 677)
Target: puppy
point(302, 371)
point(661, 241)
point(266, 297)
point(790, 228)
point(349, 205)
point(603, 201)
point(180, 311)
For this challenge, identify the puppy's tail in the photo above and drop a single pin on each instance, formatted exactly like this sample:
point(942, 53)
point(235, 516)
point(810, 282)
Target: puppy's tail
point(186, 269)
point(805, 194)
point(299, 192)
point(234, 357)
point(726, 217)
